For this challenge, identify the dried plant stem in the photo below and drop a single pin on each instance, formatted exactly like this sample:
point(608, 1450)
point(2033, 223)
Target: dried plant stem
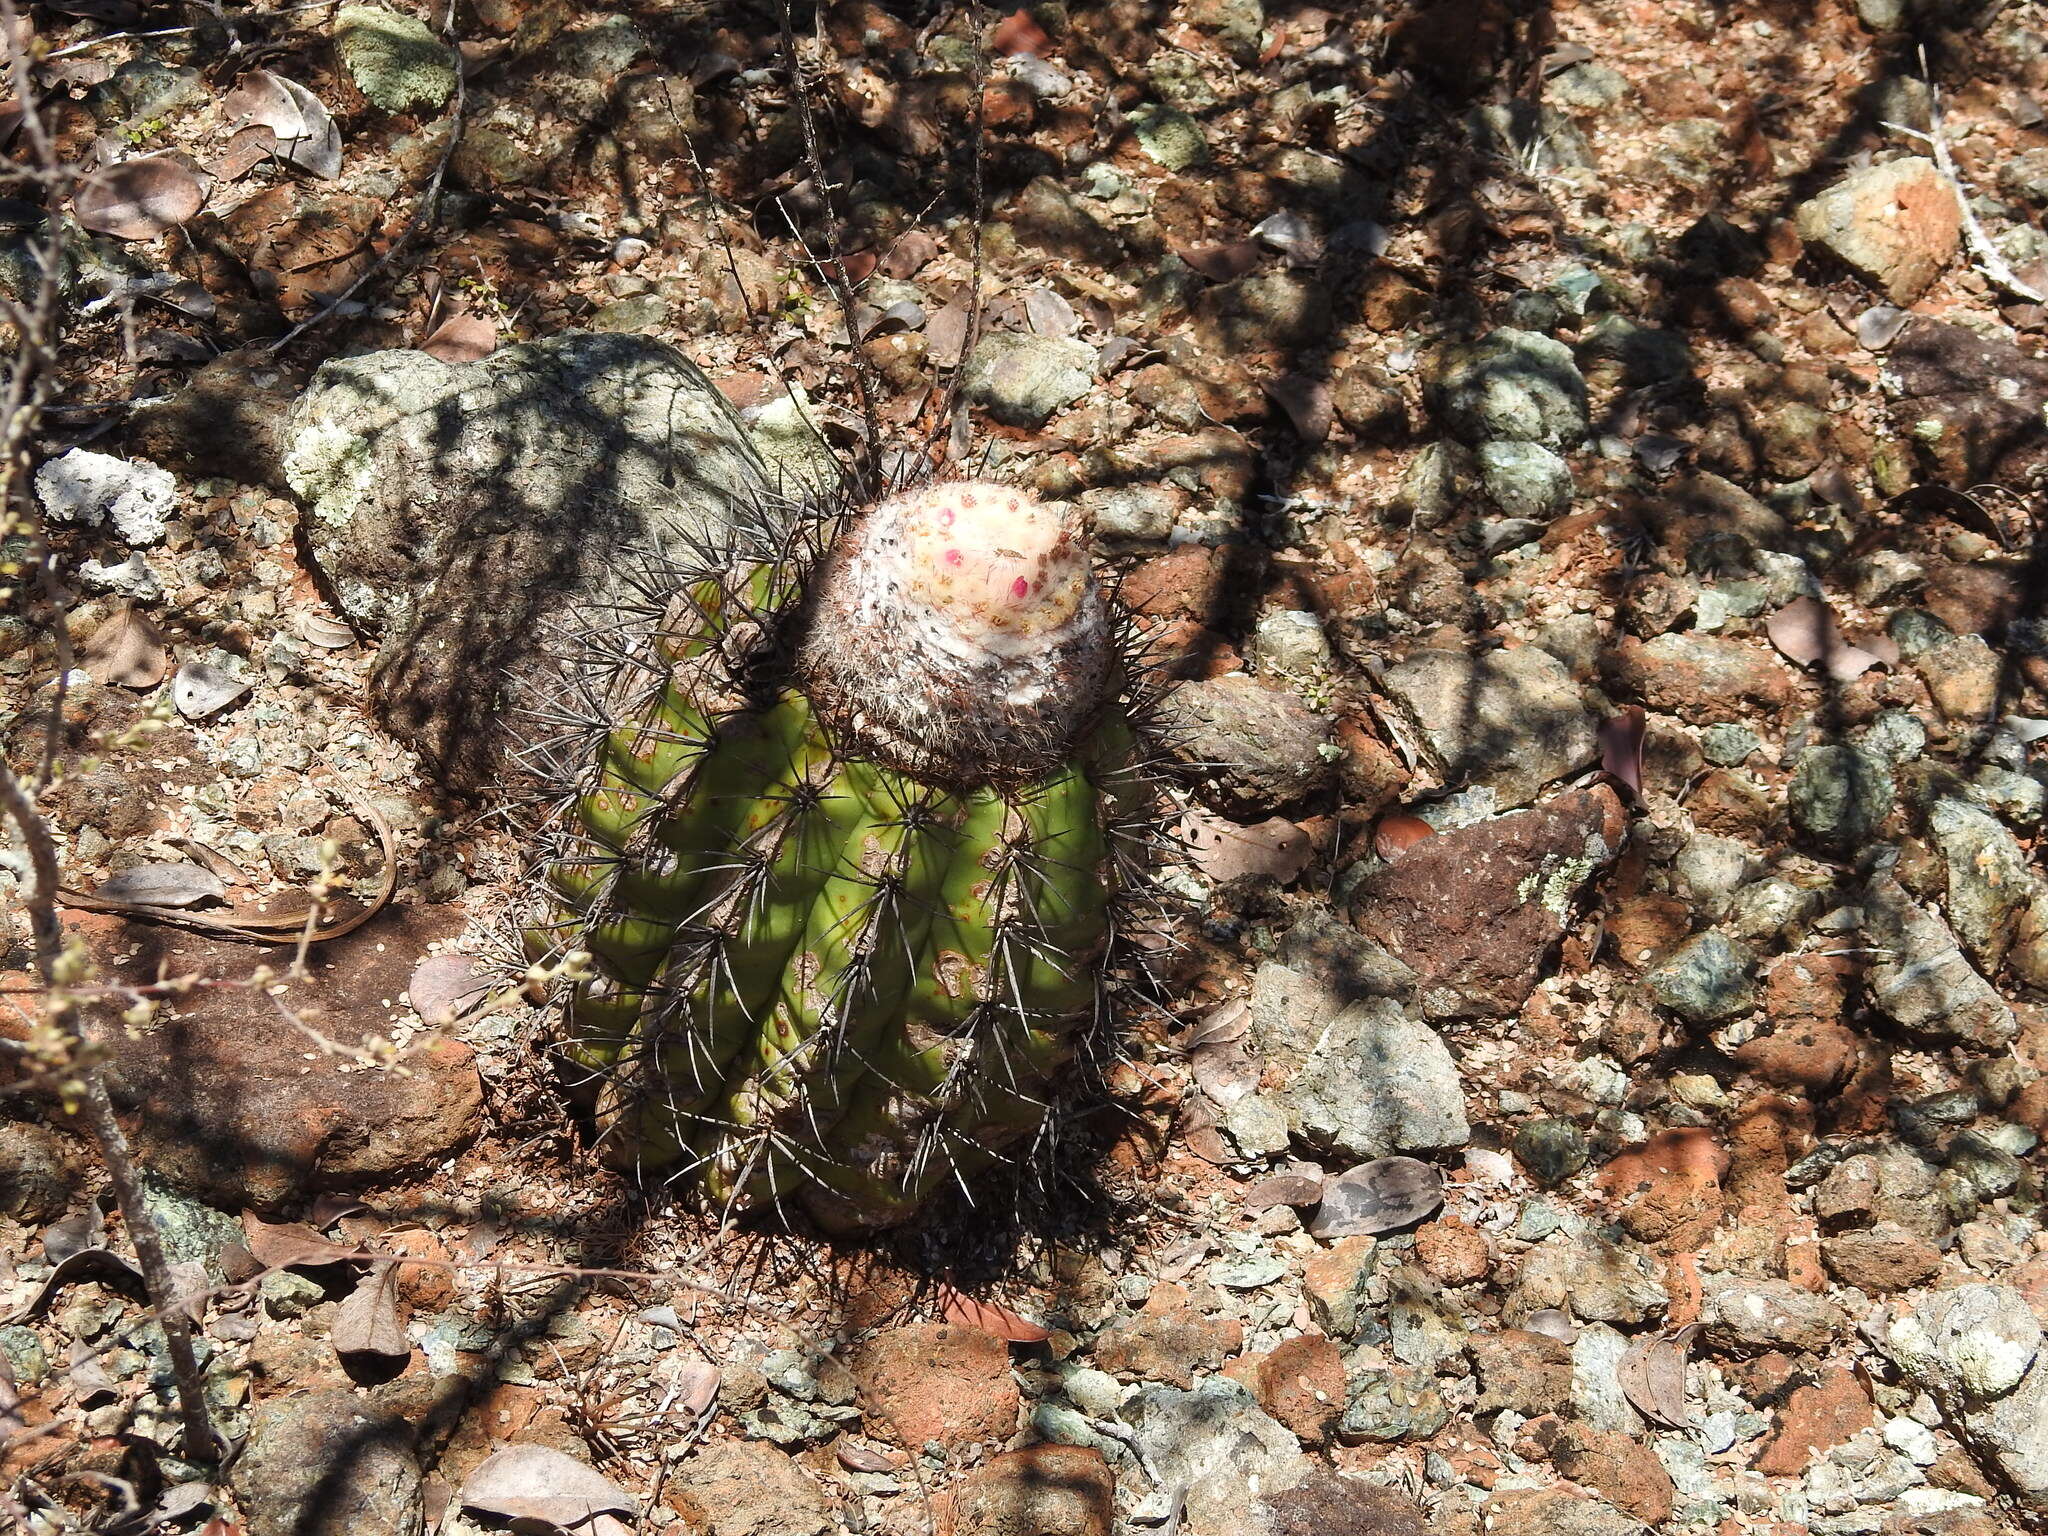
point(200, 1442)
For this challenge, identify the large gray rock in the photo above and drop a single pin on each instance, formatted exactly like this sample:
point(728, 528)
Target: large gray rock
point(1977, 1348)
point(1989, 879)
point(1925, 983)
point(1512, 384)
point(1366, 1081)
point(1510, 720)
point(1219, 1446)
point(453, 507)
point(329, 1464)
point(1021, 380)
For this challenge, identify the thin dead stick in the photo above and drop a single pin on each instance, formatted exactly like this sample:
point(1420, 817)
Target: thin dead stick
point(834, 268)
point(200, 1442)
point(1990, 261)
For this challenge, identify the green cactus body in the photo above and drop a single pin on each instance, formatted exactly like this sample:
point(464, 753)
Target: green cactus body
point(824, 973)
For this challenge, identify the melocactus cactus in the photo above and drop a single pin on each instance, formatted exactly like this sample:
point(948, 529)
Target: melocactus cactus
point(847, 851)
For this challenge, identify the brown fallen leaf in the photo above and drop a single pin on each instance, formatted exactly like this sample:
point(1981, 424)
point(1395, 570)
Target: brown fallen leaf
point(697, 1388)
point(1383, 1195)
point(1806, 634)
point(462, 338)
point(1307, 403)
point(1225, 851)
point(1223, 261)
point(444, 987)
point(162, 885)
point(138, 199)
point(1018, 33)
point(127, 651)
point(303, 131)
point(538, 1482)
point(371, 1320)
point(1652, 1377)
point(988, 1316)
point(857, 1456)
point(1621, 749)
point(1220, 1025)
point(1283, 1189)
point(288, 1244)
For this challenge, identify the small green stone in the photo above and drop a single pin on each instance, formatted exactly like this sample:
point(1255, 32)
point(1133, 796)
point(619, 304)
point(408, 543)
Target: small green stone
point(1552, 1150)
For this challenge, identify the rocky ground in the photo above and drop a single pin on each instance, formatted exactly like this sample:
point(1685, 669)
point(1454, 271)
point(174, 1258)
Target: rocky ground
point(1580, 463)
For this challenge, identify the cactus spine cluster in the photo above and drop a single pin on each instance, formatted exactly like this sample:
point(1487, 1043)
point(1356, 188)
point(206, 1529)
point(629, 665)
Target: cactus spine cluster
point(846, 851)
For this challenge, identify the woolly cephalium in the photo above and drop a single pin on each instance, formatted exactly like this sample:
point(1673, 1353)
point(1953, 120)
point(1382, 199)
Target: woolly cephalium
point(849, 821)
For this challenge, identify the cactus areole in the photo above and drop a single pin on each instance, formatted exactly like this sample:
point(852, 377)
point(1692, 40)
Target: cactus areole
point(845, 834)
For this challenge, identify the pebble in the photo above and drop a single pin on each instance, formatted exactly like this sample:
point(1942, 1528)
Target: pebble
point(1525, 480)
point(1925, 983)
point(1259, 747)
point(1705, 980)
point(1748, 1313)
point(1551, 1149)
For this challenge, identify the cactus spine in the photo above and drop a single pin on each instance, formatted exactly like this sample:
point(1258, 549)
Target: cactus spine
point(848, 852)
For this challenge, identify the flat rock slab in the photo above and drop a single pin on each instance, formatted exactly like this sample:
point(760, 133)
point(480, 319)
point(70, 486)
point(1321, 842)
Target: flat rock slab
point(452, 507)
point(1478, 912)
point(241, 1108)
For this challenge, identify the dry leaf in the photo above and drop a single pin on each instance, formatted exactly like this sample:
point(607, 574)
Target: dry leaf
point(1652, 1377)
point(1383, 1195)
point(1226, 1073)
point(1307, 403)
point(1048, 314)
point(1397, 832)
point(127, 651)
point(945, 335)
point(328, 634)
point(1224, 851)
point(1277, 1189)
point(1220, 1025)
point(537, 1482)
point(101, 1264)
point(444, 987)
point(138, 199)
point(305, 132)
point(856, 1456)
point(288, 1244)
point(1805, 633)
point(200, 690)
point(372, 1320)
point(1621, 748)
point(1018, 33)
point(462, 338)
point(989, 1317)
point(697, 1388)
point(163, 885)
point(89, 1379)
point(246, 150)
point(1220, 263)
